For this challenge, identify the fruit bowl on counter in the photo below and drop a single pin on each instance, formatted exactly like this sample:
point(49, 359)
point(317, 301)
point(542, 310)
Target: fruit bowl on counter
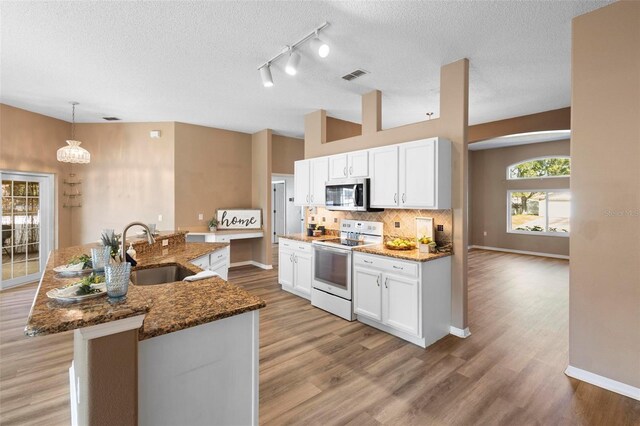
point(401, 244)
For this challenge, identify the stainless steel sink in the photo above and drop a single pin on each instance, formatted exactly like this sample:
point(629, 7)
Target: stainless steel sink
point(160, 275)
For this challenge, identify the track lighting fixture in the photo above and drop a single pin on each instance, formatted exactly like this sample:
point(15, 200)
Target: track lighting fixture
point(293, 61)
point(320, 46)
point(265, 73)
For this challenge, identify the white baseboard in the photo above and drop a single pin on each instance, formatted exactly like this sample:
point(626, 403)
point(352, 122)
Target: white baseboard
point(530, 253)
point(459, 332)
point(252, 263)
point(603, 382)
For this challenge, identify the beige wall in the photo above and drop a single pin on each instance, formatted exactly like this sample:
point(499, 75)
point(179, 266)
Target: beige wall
point(129, 178)
point(285, 152)
point(452, 124)
point(341, 129)
point(488, 197)
point(28, 143)
point(605, 184)
point(212, 171)
point(261, 151)
point(557, 119)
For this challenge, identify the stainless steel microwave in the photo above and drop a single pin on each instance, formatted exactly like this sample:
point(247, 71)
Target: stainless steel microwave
point(348, 194)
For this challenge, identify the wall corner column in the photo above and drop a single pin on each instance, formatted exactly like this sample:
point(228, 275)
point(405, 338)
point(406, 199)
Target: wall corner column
point(261, 149)
point(371, 112)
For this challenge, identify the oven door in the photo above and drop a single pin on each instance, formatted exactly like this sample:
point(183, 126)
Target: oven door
point(332, 270)
point(350, 195)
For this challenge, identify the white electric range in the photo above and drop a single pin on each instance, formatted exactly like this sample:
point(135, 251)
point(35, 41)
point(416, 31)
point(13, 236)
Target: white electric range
point(331, 288)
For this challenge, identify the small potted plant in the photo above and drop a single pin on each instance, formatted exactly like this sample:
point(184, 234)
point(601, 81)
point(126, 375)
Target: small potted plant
point(213, 224)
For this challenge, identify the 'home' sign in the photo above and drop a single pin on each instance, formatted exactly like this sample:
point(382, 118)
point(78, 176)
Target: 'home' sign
point(239, 219)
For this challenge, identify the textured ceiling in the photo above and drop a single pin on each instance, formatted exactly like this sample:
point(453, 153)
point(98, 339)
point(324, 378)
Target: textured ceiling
point(196, 62)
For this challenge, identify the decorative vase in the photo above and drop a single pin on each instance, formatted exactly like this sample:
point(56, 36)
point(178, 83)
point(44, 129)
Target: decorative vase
point(213, 228)
point(424, 248)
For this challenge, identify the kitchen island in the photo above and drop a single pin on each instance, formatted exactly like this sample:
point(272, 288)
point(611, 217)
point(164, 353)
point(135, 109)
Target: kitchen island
point(174, 353)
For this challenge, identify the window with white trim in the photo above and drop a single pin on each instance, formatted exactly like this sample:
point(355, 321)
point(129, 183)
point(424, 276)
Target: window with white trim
point(539, 212)
point(542, 167)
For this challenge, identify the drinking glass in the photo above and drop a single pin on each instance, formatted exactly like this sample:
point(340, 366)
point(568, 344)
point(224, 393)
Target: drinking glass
point(100, 257)
point(117, 279)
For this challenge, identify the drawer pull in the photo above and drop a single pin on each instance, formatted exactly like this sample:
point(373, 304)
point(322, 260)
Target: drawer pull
point(398, 267)
point(220, 256)
point(378, 280)
point(301, 247)
point(367, 261)
point(386, 282)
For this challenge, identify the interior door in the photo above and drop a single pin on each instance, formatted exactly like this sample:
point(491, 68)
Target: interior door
point(384, 176)
point(418, 174)
point(27, 226)
point(279, 210)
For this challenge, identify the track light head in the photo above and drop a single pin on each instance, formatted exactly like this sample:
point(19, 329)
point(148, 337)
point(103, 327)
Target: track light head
point(292, 64)
point(320, 46)
point(265, 73)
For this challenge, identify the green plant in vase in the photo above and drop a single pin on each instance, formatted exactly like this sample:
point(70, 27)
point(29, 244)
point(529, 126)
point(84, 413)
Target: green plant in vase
point(213, 224)
point(111, 240)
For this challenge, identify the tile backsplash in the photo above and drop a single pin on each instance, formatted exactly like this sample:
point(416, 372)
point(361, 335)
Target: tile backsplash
point(406, 219)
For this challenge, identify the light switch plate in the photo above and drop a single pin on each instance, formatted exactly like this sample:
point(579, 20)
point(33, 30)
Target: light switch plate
point(159, 218)
point(165, 243)
point(200, 216)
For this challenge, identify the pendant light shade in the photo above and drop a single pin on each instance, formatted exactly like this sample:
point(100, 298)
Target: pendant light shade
point(73, 152)
point(265, 73)
point(292, 63)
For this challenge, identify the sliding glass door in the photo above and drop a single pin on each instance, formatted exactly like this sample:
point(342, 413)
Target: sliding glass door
point(27, 207)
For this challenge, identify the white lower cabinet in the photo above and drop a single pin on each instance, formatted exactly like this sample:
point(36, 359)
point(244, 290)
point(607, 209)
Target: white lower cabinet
point(295, 261)
point(411, 300)
point(217, 261)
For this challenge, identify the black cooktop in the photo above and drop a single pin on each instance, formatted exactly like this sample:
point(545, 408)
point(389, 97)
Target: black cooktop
point(345, 242)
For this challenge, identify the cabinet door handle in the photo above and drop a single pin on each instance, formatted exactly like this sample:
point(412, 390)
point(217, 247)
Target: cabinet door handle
point(312, 198)
point(404, 197)
point(378, 280)
point(301, 248)
point(367, 261)
point(386, 282)
point(291, 258)
point(295, 258)
point(395, 197)
point(307, 198)
point(351, 170)
point(345, 170)
point(398, 267)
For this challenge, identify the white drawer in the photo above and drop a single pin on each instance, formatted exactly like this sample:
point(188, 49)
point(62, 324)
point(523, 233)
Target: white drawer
point(218, 256)
point(387, 264)
point(202, 262)
point(295, 245)
point(223, 238)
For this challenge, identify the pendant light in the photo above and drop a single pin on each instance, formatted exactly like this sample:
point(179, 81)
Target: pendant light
point(73, 152)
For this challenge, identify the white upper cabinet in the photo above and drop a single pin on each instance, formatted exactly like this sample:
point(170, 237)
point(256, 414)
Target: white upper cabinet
point(302, 183)
point(384, 176)
point(358, 164)
point(417, 177)
point(338, 168)
point(350, 165)
point(310, 177)
point(319, 177)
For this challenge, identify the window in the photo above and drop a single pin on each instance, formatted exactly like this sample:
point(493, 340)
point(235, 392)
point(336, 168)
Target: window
point(539, 212)
point(540, 168)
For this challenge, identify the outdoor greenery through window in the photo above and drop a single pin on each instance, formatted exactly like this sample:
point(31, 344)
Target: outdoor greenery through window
point(540, 168)
point(539, 212)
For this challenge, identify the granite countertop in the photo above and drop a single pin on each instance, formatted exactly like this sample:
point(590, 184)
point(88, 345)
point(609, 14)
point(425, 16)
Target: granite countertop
point(306, 239)
point(168, 307)
point(413, 255)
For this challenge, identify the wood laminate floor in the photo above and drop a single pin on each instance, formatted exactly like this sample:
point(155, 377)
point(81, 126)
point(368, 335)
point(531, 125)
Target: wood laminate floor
point(316, 368)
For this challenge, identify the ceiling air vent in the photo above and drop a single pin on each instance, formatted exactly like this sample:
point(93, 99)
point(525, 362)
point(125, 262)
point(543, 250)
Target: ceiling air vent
point(354, 74)
point(111, 118)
